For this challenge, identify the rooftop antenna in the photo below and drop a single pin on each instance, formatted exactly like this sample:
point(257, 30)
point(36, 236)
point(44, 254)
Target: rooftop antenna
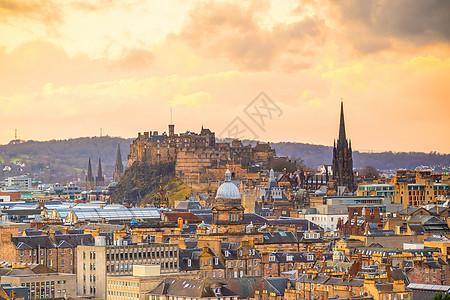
point(15, 134)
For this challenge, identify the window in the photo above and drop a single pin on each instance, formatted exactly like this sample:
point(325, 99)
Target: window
point(62, 262)
point(62, 251)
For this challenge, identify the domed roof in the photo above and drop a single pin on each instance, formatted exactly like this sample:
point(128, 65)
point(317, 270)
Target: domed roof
point(228, 190)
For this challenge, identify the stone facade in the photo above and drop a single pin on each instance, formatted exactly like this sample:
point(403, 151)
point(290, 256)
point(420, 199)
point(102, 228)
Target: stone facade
point(56, 251)
point(342, 159)
point(95, 263)
point(195, 152)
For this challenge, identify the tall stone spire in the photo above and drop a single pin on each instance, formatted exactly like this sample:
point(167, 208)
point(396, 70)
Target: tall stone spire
point(89, 177)
point(342, 158)
point(118, 169)
point(100, 180)
point(342, 136)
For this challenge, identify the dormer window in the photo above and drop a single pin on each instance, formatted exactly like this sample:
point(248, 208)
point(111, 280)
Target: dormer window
point(227, 253)
point(216, 261)
point(189, 263)
point(289, 258)
point(271, 257)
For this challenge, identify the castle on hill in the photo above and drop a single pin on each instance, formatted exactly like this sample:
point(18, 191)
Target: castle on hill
point(195, 153)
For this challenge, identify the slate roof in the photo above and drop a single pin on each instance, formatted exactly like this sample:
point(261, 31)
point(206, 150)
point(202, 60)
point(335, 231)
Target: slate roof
point(246, 286)
point(313, 279)
point(44, 241)
point(192, 288)
point(187, 205)
point(279, 237)
point(345, 282)
point(189, 254)
point(279, 284)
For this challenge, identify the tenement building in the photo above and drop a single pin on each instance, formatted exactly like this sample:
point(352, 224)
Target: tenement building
point(342, 159)
point(97, 262)
point(195, 152)
point(56, 251)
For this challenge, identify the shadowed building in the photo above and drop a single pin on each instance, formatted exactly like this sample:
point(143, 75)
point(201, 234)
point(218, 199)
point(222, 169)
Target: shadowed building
point(118, 169)
point(90, 182)
point(100, 180)
point(342, 158)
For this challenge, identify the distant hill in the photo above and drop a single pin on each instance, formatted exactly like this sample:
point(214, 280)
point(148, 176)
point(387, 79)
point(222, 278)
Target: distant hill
point(66, 160)
point(61, 160)
point(316, 155)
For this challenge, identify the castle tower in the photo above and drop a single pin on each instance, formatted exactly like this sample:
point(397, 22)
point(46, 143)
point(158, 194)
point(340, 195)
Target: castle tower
point(228, 212)
point(99, 180)
point(342, 158)
point(118, 169)
point(90, 184)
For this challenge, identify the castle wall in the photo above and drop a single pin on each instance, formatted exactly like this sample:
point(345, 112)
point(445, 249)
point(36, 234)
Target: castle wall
point(195, 153)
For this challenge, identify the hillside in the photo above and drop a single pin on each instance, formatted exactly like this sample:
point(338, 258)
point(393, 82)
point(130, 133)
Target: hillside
point(66, 160)
point(61, 160)
point(141, 181)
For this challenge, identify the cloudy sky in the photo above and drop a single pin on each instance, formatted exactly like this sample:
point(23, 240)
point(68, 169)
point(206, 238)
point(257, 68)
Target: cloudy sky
point(69, 68)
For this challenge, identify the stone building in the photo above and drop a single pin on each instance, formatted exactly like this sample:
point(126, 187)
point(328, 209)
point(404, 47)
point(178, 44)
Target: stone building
point(194, 153)
point(228, 212)
point(97, 262)
point(427, 270)
point(215, 259)
point(342, 159)
point(144, 279)
point(118, 169)
point(56, 251)
point(40, 281)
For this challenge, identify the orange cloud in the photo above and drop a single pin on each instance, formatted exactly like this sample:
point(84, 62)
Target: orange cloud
point(236, 32)
point(41, 10)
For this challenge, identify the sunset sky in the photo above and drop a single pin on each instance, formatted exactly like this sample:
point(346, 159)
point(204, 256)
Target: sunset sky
point(69, 68)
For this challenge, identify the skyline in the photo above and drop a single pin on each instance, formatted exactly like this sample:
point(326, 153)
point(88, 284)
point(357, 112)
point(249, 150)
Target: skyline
point(69, 69)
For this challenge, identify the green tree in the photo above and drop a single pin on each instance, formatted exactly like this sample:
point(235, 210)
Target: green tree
point(441, 296)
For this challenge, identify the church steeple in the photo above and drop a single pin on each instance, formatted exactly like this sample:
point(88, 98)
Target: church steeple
point(118, 169)
point(100, 180)
point(89, 177)
point(342, 136)
point(342, 158)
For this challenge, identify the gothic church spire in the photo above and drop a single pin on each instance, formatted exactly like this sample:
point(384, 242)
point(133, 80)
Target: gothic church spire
point(118, 169)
